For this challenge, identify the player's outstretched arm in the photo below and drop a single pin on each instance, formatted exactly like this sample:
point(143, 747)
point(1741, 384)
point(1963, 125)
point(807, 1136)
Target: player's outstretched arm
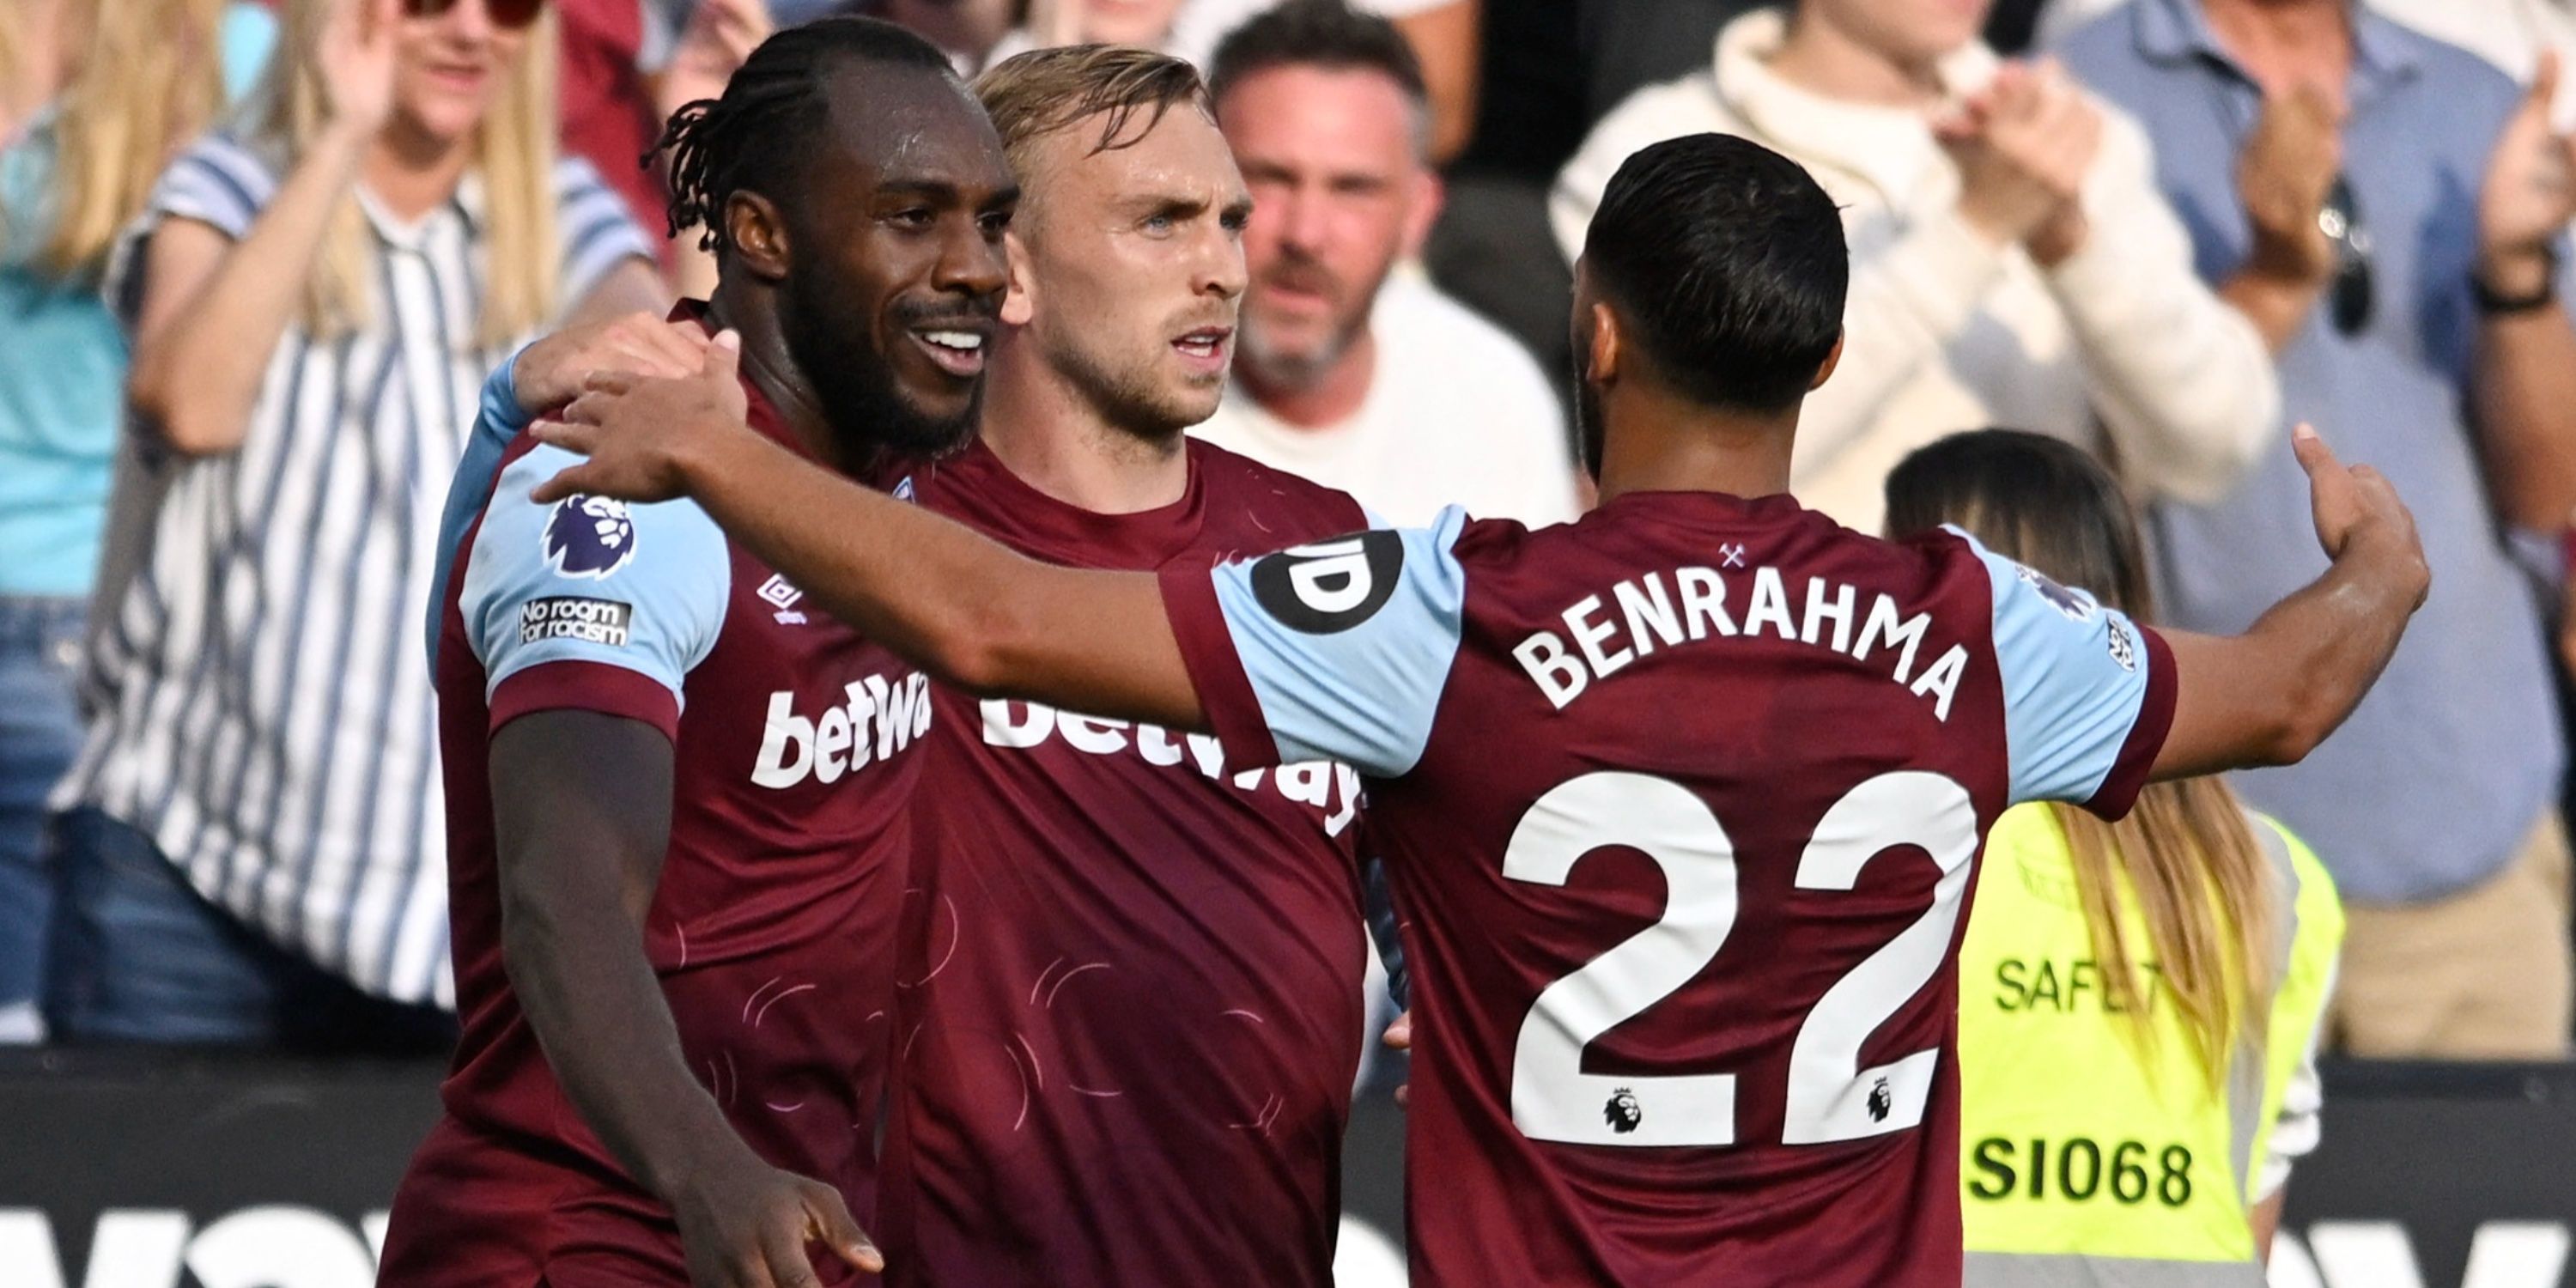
point(964, 608)
point(582, 810)
point(2270, 695)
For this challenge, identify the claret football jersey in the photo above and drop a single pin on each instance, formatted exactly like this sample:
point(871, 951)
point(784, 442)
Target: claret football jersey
point(1130, 992)
point(1680, 803)
point(795, 746)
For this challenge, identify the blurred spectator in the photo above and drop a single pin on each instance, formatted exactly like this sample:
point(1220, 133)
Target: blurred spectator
point(96, 101)
point(2508, 33)
point(2011, 259)
point(1350, 371)
point(1443, 34)
point(252, 850)
point(966, 30)
point(2423, 329)
point(1490, 248)
point(624, 68)
point(1192, 30)
point(626, 65)
point(604, 94)
point(1153, 24)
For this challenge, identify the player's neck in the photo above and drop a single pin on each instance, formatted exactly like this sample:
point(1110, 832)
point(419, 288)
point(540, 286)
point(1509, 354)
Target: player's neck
point(1042, 429)
point(1334, 395)
point(773, 371)
point(1659, 442)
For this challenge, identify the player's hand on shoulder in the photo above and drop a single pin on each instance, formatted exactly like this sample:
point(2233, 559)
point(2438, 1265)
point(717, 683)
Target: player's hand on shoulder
point(641, 432)
point(2358, 513)
point(745, 1224)
point(551, 372)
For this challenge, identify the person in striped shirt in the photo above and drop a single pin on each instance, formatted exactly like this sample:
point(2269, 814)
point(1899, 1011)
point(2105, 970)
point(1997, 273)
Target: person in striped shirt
point(251, 837)
point(98, 99)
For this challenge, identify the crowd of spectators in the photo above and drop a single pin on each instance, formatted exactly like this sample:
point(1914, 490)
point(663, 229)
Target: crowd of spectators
point(256, 259)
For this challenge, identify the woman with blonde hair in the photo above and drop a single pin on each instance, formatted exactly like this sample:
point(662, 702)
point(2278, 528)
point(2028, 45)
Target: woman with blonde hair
point(94, 100)
point(2137, 999)
point(252, 852)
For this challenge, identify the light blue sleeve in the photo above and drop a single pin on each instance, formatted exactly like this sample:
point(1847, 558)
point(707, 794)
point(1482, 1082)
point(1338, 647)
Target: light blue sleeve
point(1348, 643)
point(497, 420)
point(2075, 680)
point(588, 579)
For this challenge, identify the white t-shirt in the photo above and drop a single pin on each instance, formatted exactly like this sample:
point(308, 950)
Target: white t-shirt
point(1457, 414)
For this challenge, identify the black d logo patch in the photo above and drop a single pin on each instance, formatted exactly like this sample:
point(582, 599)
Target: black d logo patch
point(1330, 586)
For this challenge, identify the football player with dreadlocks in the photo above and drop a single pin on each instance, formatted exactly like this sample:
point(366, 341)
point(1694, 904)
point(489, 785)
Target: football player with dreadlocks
point(676, 800)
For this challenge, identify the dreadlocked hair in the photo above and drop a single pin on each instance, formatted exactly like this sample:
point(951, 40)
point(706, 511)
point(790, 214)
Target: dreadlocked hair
point(756, 138)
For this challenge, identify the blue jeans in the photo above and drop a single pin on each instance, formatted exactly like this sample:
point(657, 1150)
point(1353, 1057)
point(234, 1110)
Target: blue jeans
point(40, 732)
point(140, 956)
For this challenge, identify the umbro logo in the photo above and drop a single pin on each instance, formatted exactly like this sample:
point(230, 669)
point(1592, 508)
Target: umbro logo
point(781, 594)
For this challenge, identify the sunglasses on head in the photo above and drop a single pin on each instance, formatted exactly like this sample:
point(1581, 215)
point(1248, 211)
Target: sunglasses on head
point(2349, 293)
point(508, 14)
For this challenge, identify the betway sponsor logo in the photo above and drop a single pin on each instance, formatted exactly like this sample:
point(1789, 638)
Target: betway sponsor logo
point(1332, 788)
point(879, 720)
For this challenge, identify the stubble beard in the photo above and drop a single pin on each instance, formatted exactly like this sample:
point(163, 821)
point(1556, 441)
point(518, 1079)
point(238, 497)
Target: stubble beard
point(1129, 396)
point(855, 384)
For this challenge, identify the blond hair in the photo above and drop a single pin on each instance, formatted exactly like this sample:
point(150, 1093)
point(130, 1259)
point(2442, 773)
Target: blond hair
point(513, 152)
point(2186, 856)
point(149, 77)
point(1039, 93)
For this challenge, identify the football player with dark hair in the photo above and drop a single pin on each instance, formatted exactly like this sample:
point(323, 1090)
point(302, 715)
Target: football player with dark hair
point(677, 800)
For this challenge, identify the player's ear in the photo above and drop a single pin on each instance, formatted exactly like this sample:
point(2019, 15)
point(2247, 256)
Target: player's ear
point(1605, 346)
point(758, 234)
point(1019, 302)
point(1833, 359)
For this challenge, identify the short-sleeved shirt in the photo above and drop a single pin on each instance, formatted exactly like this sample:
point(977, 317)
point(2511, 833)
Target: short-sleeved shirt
point(795, 744)
point(261, 709)
point(2440, 773)
point(1680, 803)
point(1133, 1005)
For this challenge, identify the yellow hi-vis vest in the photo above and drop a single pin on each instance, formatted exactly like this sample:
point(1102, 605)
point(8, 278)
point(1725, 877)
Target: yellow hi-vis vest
point(2085, 1158)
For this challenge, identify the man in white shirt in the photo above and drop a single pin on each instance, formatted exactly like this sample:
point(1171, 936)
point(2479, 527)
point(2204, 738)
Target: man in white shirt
point(1351, 371)
point(2012, 261)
